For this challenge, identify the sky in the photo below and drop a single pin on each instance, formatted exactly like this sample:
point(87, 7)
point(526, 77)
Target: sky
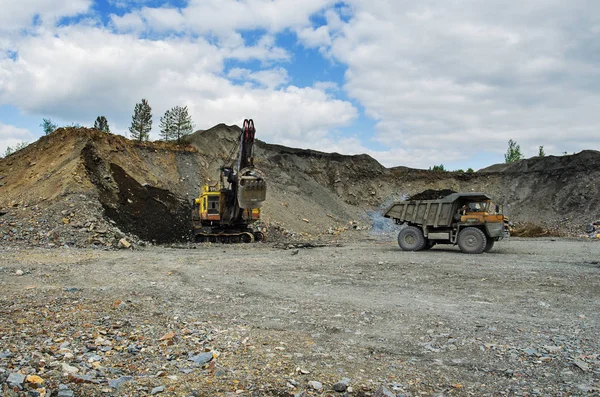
point(411, 83)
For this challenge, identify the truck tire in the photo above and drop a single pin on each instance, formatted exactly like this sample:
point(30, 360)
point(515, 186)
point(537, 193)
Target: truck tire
point(411, 239)
point(472, 240)
point(428, 244)
point(489, 245)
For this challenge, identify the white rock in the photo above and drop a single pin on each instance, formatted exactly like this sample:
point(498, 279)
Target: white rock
point(69, 368)
point(315, 385)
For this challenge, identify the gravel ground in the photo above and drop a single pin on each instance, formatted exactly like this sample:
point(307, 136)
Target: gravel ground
point(357, 318)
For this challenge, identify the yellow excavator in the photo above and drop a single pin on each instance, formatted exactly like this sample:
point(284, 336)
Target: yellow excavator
point(227, 210)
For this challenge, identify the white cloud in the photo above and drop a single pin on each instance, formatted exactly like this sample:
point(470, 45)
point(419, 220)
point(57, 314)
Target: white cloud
point(132, 22)
point(17, 15)
point(11, 136)
point(462, 77)
point(77, 73)
point(221, 17)
point(271, 78)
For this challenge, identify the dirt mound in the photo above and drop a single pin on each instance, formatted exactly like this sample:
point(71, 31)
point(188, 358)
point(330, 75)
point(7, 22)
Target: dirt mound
point(533, 230)
point(584, 160)
point(81, 187)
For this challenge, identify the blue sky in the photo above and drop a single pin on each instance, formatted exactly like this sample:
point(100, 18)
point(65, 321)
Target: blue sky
point(410, 83)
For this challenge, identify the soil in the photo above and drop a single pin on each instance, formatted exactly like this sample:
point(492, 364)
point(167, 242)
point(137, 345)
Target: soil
point(431, 194)
point(518, 321)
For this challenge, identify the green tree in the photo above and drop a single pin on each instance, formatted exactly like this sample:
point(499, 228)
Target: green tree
point(541, 152)
point(176, 124)
point(10, 150)
point(48, 126)
point(101, 124)
point(438, 168)
point(167, 125)
point(513, 153)
point(469, 170)
point(141, 121)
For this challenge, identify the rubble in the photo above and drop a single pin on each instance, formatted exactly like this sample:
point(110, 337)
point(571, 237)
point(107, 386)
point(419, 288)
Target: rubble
point(143, 328)
point(592, 230)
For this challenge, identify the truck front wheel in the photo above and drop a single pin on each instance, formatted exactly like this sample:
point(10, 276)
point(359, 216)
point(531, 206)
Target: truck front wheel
point(472, 241)
point(411, 239)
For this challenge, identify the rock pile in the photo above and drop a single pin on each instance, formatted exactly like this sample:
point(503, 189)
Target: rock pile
point(76, 221)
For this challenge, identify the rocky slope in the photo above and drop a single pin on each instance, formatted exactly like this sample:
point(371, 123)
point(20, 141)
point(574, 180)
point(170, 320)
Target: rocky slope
point(80, 187)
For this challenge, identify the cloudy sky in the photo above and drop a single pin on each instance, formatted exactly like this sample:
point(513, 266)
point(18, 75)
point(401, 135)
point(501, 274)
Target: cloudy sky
point(412, 83)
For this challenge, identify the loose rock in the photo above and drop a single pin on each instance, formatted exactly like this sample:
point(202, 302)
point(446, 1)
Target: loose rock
point(315, 385)
point(342, 385)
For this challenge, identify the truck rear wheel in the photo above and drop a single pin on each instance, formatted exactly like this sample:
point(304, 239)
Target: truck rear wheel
point(428, 244)
point(411, 239)
point(472, 241)
point(489, 245)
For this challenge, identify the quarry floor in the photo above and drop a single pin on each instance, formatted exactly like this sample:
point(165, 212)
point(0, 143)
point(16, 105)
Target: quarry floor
point(288, 321)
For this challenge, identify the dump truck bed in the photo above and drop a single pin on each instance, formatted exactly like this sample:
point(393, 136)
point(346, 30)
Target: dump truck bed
point(434, 213)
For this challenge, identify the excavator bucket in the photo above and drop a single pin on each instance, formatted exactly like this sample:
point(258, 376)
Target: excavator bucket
point(252, 188)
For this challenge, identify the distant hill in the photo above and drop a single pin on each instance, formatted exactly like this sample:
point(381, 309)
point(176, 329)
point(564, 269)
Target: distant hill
point(79, 186)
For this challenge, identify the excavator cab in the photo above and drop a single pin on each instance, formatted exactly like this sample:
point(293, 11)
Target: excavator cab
point(209, 203)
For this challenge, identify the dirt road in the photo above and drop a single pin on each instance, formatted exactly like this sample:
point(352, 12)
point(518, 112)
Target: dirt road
point(520, 320)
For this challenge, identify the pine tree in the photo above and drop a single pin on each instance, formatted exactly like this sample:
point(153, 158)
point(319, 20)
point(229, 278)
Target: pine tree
point(141, 121)
point(101, 124)
point(176, 124)
point(48, 126)
point(541, 152)
point(183, 122)
point(513, 153)
point(167, 126)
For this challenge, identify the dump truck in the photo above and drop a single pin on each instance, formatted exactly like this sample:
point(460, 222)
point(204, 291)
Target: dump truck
point(227, 210)
point(470, 220)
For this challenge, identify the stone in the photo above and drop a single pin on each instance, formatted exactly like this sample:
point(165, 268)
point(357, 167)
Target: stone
point(581, 365)
point(383, 392)
point(82, 379)
point(34, 379)
point(19, 272)
point(69, 368)
point(123, 243)
point(16, 380)
point(530, 351)
point(117, 383)
point(341, 385)
point(553, 349)
point(158, 389)
point(168, 335)
point(65, 393)
point(315, 385)
point(201, 358)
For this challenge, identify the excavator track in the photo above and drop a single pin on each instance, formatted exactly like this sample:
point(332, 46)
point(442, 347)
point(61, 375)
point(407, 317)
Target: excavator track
point(229, 238)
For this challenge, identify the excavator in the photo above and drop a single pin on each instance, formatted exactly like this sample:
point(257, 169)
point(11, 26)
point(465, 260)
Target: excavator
point(227, 209)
